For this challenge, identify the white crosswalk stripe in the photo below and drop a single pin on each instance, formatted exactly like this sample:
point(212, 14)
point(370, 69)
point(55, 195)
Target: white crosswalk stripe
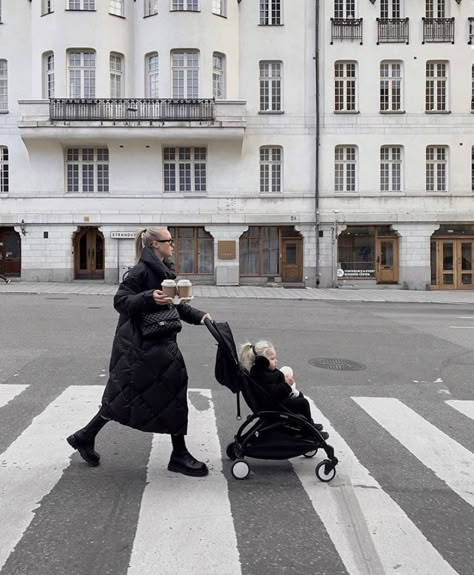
point(465, 407)
point(8, 392)
point(170, 506)
point(34, 463)
point(432, 447)
point(369, 530)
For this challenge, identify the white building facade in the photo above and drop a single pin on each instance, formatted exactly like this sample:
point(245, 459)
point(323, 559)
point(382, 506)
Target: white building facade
point(279, 140)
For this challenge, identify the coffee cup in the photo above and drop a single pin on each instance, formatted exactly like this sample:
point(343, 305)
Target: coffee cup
point(185, 288)
point(168, 287)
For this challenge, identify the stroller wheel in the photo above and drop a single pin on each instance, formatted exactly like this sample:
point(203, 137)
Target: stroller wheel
point(310, 454)
point(230, 451)
point(240, 469)
point(325, 471)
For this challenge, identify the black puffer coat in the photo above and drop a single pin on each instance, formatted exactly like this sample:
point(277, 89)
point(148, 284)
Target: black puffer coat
point(147, 386)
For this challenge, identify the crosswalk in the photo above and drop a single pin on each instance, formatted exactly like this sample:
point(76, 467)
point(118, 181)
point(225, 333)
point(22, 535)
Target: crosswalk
point(194, 525)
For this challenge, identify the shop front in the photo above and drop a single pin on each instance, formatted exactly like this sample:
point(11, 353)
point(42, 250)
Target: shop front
point(369, 253)
point(452, 257)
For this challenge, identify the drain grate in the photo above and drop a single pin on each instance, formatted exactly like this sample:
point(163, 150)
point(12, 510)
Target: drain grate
point(337, 364)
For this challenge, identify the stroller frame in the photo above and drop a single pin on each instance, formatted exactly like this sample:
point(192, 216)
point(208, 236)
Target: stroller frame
point(265, 434)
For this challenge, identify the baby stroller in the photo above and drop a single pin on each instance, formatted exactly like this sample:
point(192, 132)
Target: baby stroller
point(264, 434)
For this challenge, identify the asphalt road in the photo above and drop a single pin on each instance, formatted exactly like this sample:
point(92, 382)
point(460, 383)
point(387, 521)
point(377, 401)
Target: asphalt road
point(414, 356)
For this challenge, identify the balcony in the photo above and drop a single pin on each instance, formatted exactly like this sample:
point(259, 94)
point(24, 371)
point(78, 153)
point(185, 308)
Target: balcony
point(131, 118)
point(471, 31)
point(393, 30)
point(437, 30)
point(346, 29)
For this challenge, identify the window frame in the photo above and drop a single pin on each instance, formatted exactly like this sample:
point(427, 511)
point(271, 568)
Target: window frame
point(185, 6)
point(199, 237)
point(271, 245)
point(219, 76)
point(389, 166)
point(436, 8)
point(432, 169)
point(47, 7)
point(391, 80)
point(49, 76)
point(4, 170)
point(179, 170)
point(150, 8)
point(191, 75)
point(98, 166)
point(271, 169)
point(345, 9)
point(391, 9)
point(116, 75)
point(270, 13)
point(152, 76)
point(341, 167)
point(4, 86)
point(117, 8)
point(82, 69)
point(269, 85)
point(219, 8)
point(342, 87)
point(82, 6)
point(432, 87)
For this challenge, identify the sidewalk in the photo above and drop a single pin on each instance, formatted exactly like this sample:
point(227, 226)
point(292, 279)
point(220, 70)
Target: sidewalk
point(346, 294)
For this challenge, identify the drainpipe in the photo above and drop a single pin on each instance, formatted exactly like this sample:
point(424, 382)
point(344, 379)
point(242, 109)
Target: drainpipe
point(316, 159)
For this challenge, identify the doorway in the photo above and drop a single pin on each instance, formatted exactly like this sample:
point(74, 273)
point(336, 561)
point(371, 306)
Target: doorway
point(386, 260)
point(10, 252)
point(452, 263)
point(292, 260)
point(89, 254)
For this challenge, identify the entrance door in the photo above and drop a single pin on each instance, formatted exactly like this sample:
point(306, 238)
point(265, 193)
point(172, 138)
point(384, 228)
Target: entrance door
point(292, 260)
point(10, 252)
point(454, 259)
point(386, 260)
point(89, 255)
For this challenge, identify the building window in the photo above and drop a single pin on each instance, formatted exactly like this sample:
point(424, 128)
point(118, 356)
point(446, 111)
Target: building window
point(48, 75)
point(436, 87)
point(150, 7)
point(270, 86)
point(117, 7)
point(391, 169)
point(116, 66)
point(437, 169)
point(81, 5)
point(46, 7)
point(390, 87)
point(270, 13)
point(435, 9)
point(472, 89)
point(185, 73)
point(3, 86)
point(345, 169)
point(345, 86)
point(259, 251)
point(81, 70)
point(152, 75)
point(185, 5)
point(193, 250)
point(270, 169)
point(185, 169)
point(218, 76)
point(344, 9)
point(87, 170)
point(390, 9)
point(4, 175)
point(219, 7)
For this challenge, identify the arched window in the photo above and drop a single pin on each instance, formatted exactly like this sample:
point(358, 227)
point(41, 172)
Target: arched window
point(81, 74)
point(185, 74)
point(218, 76)
point(48, 75)
point(152, 75)
point(116, 75)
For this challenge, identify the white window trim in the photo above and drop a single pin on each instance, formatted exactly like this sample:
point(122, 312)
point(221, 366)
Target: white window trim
point(4, 80)
point(148, 76)
point(4, 170)
point(150, 8)
point(219, 8)
point(47, 75)
point(391, 79)
point(271, 80)
point(116, 74)
point(82, 163)
point(47, 7)
point(177, 162)
point(436, 162)
point(186, 69)
point(82, 69)
point(266, 8)
point(345, 79)
point(349, 9)
point(117, 8)
point(84, 5)
point(436, 7)
point(270, 163)
point(187, 6)
point(437, 79)
point(222, 73)
point(344, 162)
point(391, 163)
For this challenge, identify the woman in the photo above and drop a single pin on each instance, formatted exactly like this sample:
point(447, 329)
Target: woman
point(147, 386)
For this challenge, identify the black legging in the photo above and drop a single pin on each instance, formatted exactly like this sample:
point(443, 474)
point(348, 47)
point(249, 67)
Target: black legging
point(299, 405)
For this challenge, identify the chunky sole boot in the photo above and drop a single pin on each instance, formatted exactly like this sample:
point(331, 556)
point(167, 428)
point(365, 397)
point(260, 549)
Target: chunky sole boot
point(85, 448)
point(186, 464)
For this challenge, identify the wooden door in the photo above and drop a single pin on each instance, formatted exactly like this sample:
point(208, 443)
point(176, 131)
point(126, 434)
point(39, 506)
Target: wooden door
point(454, 263)
point(10, 252)
point(89, 255)
point(292, 260)
point(386, 260)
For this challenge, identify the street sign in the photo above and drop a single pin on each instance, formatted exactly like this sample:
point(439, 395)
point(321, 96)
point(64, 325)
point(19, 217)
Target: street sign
point(123, 235)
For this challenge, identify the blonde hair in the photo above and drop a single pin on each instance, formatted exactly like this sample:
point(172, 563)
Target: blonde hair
point(144, 238)
point(248, 352)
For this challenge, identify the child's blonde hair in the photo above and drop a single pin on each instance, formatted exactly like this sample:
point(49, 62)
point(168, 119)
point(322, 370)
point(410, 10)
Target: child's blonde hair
point(145, 237)
point(249, 351)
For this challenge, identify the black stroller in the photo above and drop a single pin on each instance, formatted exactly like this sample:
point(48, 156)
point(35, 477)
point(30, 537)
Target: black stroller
point(264, 434)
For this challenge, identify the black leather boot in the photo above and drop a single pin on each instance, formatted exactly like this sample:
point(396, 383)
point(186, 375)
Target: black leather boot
point(181, 461)
point(84, 439)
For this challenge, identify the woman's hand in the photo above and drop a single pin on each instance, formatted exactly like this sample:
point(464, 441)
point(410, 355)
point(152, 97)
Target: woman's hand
point(206, 316)
point(159, 297)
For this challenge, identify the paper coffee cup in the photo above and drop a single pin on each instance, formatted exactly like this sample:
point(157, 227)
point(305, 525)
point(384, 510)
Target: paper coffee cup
point(168, 287)
point(185, 288)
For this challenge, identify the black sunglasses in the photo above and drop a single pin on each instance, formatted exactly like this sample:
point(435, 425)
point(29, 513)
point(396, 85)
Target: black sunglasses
point(170, 241)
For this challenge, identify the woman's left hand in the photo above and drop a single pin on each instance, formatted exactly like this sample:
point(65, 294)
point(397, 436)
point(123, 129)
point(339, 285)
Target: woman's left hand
point(206, 316)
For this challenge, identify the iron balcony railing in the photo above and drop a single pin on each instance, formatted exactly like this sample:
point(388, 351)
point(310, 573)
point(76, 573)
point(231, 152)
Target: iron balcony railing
point(471, 31)
point(346, 29)
point(392, 30)
point(438, 30)
point(131, 109)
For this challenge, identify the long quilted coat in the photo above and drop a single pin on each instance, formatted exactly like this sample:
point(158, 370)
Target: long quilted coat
point(147, 386)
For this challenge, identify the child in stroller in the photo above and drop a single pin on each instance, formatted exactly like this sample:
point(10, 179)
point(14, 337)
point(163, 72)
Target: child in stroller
point(261, 362)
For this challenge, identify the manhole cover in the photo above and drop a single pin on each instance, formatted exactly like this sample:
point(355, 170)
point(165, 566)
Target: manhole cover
point(337, 364)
